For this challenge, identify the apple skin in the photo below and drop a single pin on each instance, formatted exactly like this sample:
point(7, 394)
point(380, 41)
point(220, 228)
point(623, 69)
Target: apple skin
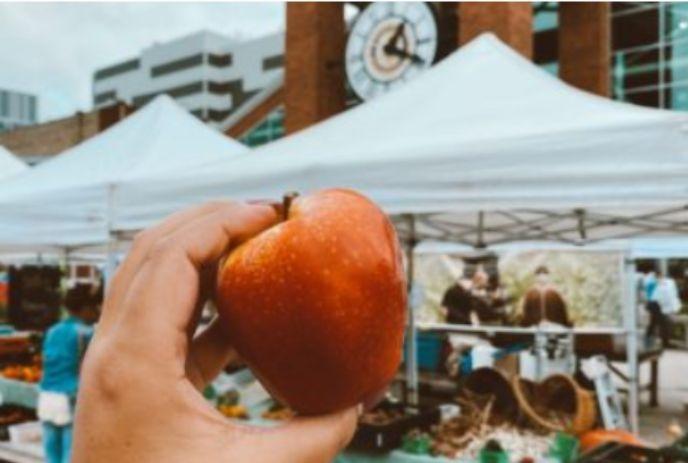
point(316, 305)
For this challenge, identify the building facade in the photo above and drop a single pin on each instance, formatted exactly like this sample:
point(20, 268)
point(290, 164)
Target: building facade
point(17, 109)
point(648, 63)
point(635, 52)
point(209, 74)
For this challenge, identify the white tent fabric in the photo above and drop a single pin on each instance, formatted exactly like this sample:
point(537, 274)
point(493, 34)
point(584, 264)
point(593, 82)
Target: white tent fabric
point(483, 148)
point(10, 165)
point(69, 200)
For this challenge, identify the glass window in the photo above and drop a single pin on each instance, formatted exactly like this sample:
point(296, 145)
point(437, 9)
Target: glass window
point(4, 103)
point(678, 61)
point(552, 68)
point(270, 129)
point(33, 103)
point(177, 65)
point(545, 16)
point(21, 102)
point(117, 69)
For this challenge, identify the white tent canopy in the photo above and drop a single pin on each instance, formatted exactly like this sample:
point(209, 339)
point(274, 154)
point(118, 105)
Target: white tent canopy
point(10, 165)
point(483, 148)
point(69, 200)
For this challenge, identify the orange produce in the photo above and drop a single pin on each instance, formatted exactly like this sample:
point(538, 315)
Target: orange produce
point(316, 304)
point(596, 437)
point(31, 374)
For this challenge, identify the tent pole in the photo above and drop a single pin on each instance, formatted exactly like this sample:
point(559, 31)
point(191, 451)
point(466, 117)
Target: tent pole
point(111, 262)
point(411, 350)
point(67, 258)
point(630, 317)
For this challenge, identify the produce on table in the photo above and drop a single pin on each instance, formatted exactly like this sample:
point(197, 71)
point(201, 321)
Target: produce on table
point(490, 384)
point(30, 373)
point(381, 416)
point(234, 411)
point(596, 437)
point(316, 304)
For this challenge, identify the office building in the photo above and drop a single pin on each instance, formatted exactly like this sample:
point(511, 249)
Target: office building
point(209, 74)
point(17, 109)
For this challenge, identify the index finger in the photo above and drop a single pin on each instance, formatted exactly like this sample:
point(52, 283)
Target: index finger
point(144, 241)
point(163, 295)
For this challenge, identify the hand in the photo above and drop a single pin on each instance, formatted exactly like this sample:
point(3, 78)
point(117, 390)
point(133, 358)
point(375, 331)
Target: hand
point(139, 399)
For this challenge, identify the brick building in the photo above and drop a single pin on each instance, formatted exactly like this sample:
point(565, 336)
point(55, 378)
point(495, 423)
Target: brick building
point(34, 143)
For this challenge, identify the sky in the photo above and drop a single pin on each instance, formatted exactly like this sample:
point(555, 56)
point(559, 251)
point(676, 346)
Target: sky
point(52, 49)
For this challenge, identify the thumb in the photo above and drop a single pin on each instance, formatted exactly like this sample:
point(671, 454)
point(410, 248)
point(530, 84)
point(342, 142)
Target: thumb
point(312, 439)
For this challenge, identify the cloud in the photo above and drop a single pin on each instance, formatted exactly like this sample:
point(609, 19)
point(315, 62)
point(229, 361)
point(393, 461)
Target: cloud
point(52, 49)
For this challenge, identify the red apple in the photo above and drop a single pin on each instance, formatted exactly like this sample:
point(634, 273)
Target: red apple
point(316, 305)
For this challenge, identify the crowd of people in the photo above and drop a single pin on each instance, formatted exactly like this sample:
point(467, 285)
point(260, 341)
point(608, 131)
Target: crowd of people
point(480, 299)
point(477, 298)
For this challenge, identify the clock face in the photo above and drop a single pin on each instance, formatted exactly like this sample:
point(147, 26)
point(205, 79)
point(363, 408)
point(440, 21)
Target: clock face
point(389, 44)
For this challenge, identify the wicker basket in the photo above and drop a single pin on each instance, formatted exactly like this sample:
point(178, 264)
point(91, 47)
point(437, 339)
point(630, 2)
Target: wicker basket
point(569, 407)
point(492, 384)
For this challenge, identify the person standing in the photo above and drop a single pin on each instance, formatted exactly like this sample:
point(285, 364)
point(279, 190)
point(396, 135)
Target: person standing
point(63, 349)
point(457, 302)
point(543, 303)
point(664, 302)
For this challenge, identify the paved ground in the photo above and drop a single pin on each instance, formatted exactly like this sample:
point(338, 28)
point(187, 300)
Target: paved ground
point(673, 397)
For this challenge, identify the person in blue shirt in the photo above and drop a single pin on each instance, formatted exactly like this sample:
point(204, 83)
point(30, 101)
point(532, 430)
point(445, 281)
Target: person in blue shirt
point(63, 349)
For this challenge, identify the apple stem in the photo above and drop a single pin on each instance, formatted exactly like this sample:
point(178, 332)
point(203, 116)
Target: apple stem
point(286, 203)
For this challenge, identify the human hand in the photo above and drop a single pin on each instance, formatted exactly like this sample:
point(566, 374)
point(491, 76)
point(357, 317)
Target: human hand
point(140, 399)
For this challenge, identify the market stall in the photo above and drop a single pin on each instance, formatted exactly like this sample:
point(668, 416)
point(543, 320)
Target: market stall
point(67, 203)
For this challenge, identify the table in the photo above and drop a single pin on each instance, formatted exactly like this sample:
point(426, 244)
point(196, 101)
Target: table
point(21, 453)
point(681, 320)
point(611, 346)
point(18, 392)
point(614, 348)
point(650, 356)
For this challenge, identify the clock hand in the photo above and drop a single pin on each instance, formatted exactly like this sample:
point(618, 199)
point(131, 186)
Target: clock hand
point(398, 33)
point(392, 42)
point(404, 54)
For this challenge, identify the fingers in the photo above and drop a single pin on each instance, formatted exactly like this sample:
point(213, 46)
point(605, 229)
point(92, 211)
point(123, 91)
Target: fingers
point(163, 295)
point(316, 439)
point(209, 354)
point(143, 243)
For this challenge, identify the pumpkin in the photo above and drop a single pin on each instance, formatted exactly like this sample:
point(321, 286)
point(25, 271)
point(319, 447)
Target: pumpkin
point(596, 437)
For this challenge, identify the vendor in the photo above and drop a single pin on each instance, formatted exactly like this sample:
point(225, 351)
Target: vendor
point(543, 303)
point(63, 348)
point(489, 298)
point(457, 302)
